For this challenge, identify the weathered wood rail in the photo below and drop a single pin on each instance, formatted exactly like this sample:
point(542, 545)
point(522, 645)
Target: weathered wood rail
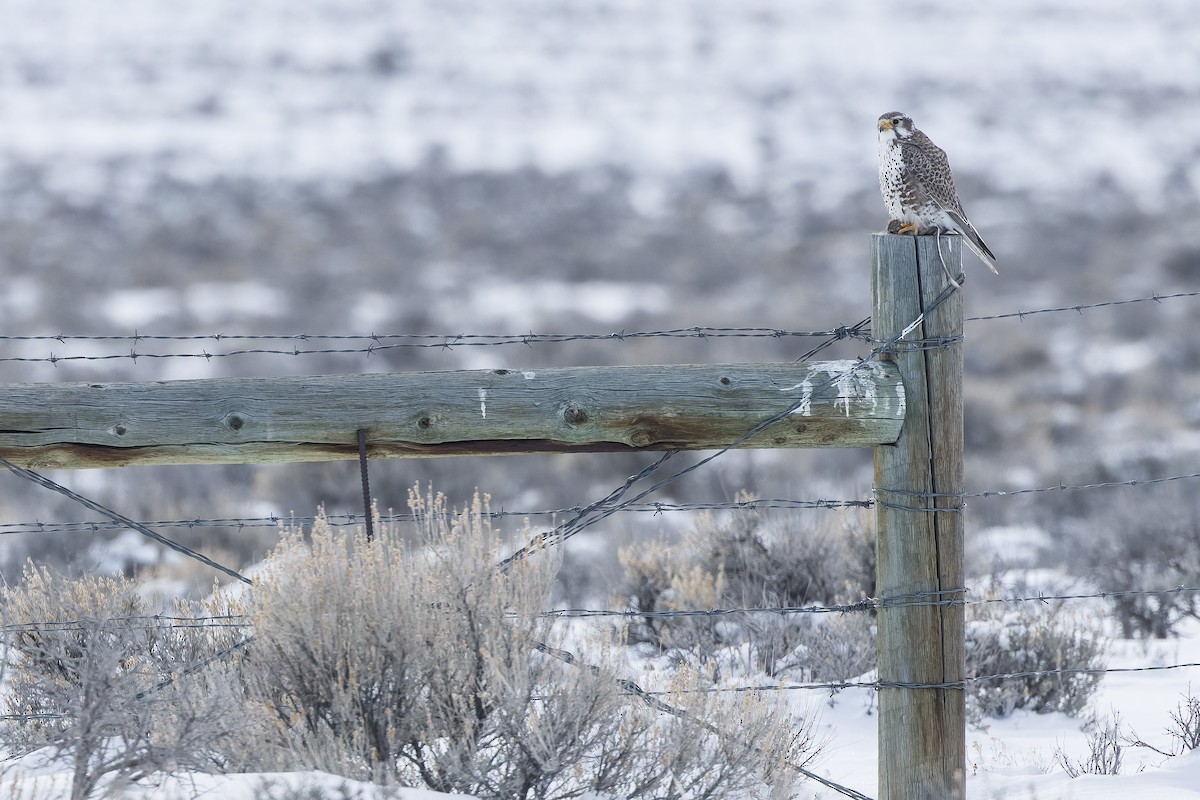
point(476, 412)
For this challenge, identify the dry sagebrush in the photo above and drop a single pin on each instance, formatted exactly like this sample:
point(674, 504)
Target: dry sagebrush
point(100, 681)
point(422, 664)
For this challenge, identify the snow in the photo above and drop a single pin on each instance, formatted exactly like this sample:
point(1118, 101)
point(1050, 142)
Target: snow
point(505, 301)
point(772, 91)
point(1014, 759)
point(113, 556)
point(1015, 546)
point(138, 307)
point(1177, 778)
point(224, 301)
point(250, 786)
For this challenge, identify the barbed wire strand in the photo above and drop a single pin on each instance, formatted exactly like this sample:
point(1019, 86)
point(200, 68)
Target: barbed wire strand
point(43, 481)
point(945, 597)
point(656, 508)
point(192, 669)
point(860, 330)
point(876, 685)
point(380, 342)
point(1061, 487)
point(1081, 307)
point(351, 519)
point(439, 339)
point(132, 622)
point(941, 598)
point(1064, 487)
point(377, 343)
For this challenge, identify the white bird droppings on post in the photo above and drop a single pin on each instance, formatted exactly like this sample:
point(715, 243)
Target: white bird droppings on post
point(483, 402)
point(529, 375)
point(854, 381)
point(804, 405)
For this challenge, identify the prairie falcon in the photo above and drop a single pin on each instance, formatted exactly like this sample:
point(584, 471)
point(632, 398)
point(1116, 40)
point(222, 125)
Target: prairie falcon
point(914, 176)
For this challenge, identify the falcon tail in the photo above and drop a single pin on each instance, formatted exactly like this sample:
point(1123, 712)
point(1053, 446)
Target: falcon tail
point(973, 239)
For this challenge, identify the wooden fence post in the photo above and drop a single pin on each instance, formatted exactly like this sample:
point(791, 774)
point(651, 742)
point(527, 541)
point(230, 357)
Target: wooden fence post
point(919, 550)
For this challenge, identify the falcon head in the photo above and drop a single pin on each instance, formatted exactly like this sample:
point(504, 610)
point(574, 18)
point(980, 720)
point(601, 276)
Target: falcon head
point(896, 125)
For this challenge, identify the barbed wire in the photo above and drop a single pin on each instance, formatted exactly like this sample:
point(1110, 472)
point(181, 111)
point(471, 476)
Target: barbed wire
point(237, 621)
point(877, 684)
point(350, 519)
point(466, 339)
point(942, 598)
point(1081, 307)
point(1061, 487)
point(951, 597)
point(131, 622)
point(1097, 595)
point(1065, 487)
point(377, 343)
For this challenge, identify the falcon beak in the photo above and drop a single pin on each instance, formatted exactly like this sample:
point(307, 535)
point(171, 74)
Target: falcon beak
point(886, 125)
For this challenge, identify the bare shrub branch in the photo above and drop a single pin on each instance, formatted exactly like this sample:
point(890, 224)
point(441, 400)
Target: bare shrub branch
point(104, 687)
point(1105, 751)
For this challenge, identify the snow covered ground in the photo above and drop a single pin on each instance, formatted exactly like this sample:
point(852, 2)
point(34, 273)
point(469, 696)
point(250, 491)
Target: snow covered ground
point(257, 786)
point(1014, 758)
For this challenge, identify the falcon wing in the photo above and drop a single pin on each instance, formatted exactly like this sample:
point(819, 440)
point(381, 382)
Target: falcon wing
point(930, 170)
point(930, 163)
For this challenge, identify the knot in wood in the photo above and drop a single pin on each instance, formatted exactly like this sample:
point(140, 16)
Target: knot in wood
point(574, 415)
point(641, 438)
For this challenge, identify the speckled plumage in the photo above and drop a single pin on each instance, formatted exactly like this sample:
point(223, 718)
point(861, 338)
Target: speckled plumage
point(918, 189)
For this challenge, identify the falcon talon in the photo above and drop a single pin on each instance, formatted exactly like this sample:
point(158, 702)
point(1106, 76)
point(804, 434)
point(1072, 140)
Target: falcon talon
point(918, 189)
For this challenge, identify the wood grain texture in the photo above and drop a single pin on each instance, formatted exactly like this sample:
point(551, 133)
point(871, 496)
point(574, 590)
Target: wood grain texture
point(922, 732)
point(422, 414)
